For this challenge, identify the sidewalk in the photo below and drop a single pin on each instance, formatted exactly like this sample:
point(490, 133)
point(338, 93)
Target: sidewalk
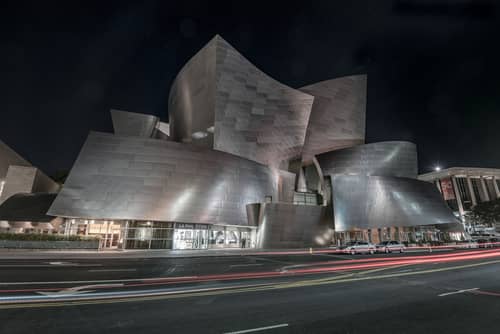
point(10, 253)
point(6, 254)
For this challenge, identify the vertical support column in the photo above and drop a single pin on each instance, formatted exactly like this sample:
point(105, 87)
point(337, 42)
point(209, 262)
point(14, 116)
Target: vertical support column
point(471, 191)
point(458, 197)
point(67, 223)
point(495, 186)
point(485, 189)
point(438, 186)
point(301, 181)
point(106, 235)
point(125, 235)
point(2, 184)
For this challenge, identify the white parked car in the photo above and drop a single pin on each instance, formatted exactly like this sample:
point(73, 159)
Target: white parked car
point(390, 246)
point(468, 244)
point(358, 247)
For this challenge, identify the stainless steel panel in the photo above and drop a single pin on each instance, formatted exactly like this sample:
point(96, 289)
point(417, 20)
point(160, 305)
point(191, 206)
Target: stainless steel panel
point(191, 103)
point(23, 179)
point(136, 178)
point(133, 124)
point(392, 158)
point(284, 225)
point(371, 202)
point(253, 213)
point(9, 157)
point(250, 114)
point(162, 131)
point(338, 115)
point(19, 179)
point(286, 186)
point(256, 116)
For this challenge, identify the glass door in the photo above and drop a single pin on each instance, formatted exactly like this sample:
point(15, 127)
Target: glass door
point(190, 239)
point(200, 240)
point(183, 239)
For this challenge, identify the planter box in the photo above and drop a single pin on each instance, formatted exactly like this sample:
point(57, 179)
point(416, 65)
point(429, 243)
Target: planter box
point(62, 244)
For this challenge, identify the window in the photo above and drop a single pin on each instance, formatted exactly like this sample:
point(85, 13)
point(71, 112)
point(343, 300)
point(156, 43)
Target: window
point(302, 198)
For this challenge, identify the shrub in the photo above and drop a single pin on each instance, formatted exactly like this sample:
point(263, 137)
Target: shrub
point(44, 237)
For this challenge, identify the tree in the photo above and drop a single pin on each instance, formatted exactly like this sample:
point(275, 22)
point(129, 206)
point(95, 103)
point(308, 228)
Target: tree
point(485, 213)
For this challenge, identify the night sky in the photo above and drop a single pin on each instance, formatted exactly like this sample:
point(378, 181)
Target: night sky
point(433, 66)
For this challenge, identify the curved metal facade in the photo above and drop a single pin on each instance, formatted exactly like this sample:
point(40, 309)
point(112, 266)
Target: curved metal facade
point(232, 127)
point(9, 157)
point(133, 124)
point(191, 102)
point(221, 100)
point(371, 202)
point(146, 179)
point(284, 225)
point(338, 115)
point(392, 158)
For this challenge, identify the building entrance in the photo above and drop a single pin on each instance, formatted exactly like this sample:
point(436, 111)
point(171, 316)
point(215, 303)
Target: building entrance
point(190, 236)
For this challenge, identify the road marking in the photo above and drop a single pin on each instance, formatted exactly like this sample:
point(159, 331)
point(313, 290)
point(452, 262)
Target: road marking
point(489, 293)
point(106, 297)
point(245, 265)
point(108, 270)
point(257, 329)
point(154, 279)
point(270, 260)
point(48, 265)
point(222, 291)
point(380, 269)
point(339, 256)
point(457, 292)
point(63, 293)
point(77, 290)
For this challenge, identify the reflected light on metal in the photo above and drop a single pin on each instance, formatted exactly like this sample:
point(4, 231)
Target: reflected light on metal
point(372, 202)
point(199, 135)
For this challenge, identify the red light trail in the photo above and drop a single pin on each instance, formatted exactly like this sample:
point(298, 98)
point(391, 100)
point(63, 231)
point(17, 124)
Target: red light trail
point(317, 268)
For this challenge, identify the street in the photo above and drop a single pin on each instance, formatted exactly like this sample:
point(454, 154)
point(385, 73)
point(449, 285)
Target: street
point(446, 292)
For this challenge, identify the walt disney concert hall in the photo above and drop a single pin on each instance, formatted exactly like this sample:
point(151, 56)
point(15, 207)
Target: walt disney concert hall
point(246, 161)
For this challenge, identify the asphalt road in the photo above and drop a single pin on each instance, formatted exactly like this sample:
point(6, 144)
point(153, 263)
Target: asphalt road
point(423, 293)
point(96, 267)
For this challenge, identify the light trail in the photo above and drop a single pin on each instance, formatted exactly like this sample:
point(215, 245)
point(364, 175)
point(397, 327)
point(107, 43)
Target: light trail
point(336, 266)
point(163, 294)
point(411, 248)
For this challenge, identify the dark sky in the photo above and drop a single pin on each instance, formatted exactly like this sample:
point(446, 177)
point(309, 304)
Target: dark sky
point(433, 66)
